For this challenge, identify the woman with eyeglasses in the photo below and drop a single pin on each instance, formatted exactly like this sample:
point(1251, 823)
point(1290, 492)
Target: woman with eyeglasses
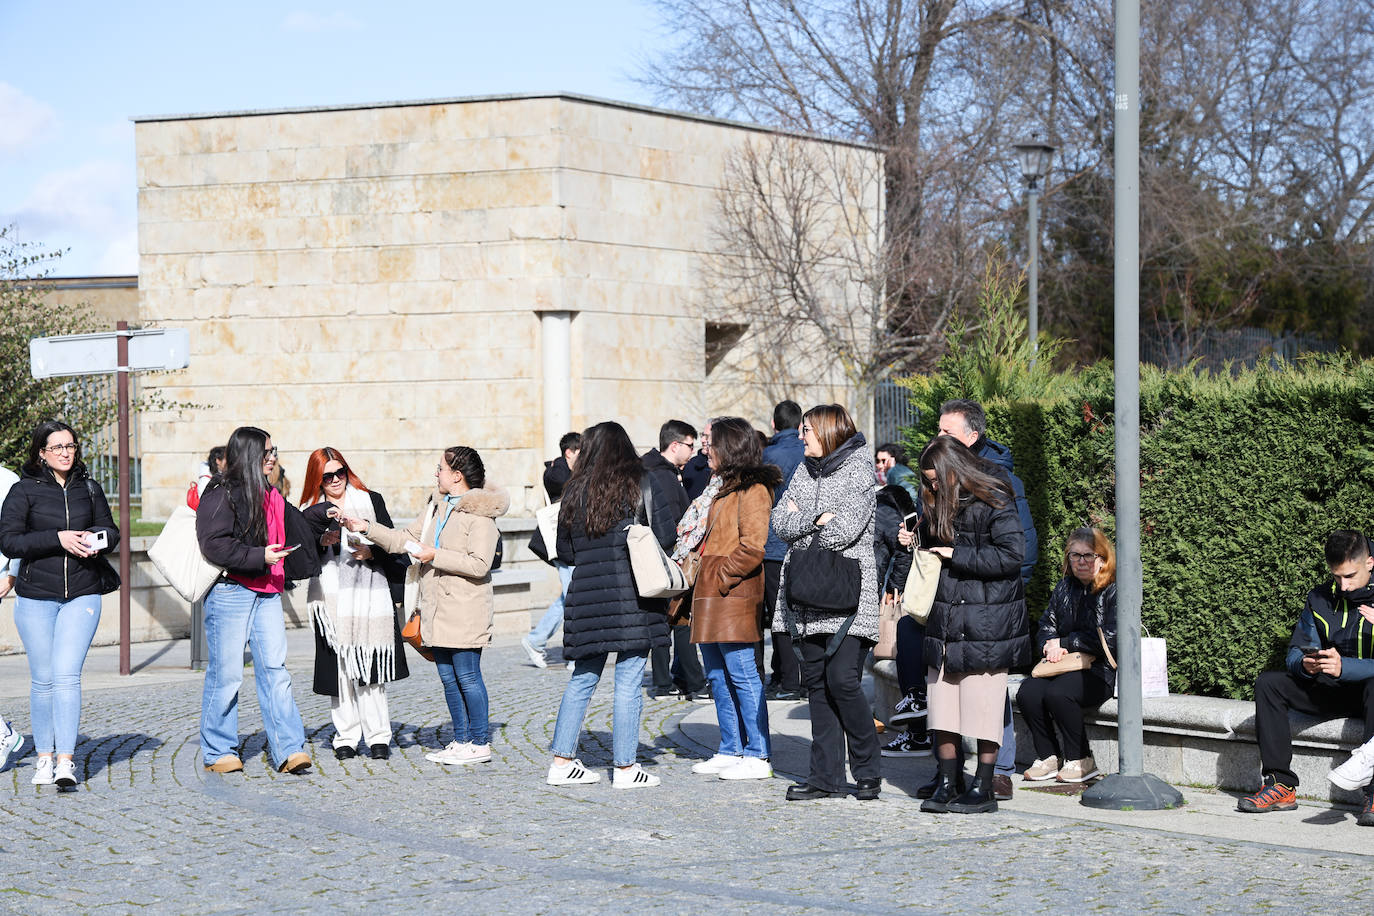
point(830, 504)
point(454, 543)
point(977, 628)
point(242, 525)
point(57, 523)
point(352, 604)
point(1081, 613)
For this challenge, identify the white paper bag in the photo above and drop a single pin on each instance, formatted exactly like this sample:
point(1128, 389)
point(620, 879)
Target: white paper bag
point(1154, 667)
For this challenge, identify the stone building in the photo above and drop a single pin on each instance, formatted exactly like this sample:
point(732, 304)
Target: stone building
point(392, 279)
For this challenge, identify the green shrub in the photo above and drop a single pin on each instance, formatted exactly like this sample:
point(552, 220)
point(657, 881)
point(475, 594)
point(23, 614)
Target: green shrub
point(1242, 477)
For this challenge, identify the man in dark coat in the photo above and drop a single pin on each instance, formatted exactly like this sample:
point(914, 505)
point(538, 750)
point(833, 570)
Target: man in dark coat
point(676, 441)
point(784, 451)
point(966, 421)
point(557, 471)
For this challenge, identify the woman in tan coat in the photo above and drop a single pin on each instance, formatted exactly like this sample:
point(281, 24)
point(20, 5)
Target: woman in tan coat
point(727, 600)
point(454, 543)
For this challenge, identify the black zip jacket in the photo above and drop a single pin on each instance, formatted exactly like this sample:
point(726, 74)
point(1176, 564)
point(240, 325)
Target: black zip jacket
point(1332, 619)
point(36, 509)
point(1072, 617)
point(222, 531)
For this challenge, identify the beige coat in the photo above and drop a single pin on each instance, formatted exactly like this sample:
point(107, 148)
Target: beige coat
point(456, 602)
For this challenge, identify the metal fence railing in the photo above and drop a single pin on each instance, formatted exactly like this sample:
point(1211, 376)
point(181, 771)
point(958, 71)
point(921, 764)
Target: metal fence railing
point(1172, 348)
point(892, 410)
point(101, 448)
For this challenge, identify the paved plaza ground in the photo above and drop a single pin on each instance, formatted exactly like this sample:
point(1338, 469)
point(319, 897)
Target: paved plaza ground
point(149, 831)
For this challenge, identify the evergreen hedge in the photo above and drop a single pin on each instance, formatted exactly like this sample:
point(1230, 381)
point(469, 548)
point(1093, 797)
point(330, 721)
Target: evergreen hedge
point(1243, 475)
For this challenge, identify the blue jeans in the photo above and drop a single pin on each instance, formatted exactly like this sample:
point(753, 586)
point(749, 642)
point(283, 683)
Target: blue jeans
point(235, 615)
point(553, 618)
point(56, 637)
point(460, 670)
point(629, 703)
point(741, 709)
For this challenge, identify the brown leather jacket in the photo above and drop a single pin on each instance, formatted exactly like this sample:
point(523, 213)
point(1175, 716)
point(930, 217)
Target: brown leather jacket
point(727, 600)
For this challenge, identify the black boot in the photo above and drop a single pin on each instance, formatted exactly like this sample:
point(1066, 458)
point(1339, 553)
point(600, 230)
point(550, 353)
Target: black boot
point(946, 787)
point(979, 798)
point(928, 789)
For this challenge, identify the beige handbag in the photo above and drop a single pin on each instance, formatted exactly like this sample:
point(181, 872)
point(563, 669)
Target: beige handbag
point(921, 583)
point(888, 616)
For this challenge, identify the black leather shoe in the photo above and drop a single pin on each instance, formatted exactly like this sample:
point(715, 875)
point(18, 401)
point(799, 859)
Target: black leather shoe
point(946, 788)
point(807, 792)
point(927, 790)
point(977, 800)
point(344, 753)
point(867, 789)
point(380, 752)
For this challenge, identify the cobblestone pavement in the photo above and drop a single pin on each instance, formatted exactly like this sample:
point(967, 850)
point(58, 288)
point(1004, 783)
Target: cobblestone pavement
point(148, 830)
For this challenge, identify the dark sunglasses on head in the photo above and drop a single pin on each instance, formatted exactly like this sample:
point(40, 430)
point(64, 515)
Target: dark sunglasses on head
point(331, 476)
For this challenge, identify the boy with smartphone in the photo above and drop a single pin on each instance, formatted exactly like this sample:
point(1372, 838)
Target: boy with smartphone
point(1329, 673)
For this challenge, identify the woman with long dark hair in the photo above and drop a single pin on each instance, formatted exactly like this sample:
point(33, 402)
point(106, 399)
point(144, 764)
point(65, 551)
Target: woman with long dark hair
point(727, 599)
point(829, 504)
point(454, 542)
point(603, 612)
point(57, 523)
point(352, 604)
point(241, 525)
point(1080, 615)
point(977, 627)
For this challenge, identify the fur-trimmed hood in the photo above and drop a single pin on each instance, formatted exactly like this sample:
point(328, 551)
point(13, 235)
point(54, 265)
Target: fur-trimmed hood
point(766, 474)
point(489, 501)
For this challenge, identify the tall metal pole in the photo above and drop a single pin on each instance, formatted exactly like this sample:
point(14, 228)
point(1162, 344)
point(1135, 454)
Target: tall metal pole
point(122, 469)
point(1131, 788)
point(1033, 268)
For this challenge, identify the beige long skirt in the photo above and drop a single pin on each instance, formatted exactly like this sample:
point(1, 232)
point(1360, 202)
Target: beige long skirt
point(967, 704)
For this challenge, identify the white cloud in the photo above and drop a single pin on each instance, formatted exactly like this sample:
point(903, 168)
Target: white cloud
point(337, 21)
point(96, 197)
point(120, 257)
point(24, 119)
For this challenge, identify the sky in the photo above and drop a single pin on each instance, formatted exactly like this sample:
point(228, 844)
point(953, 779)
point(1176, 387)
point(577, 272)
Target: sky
point(72, 74)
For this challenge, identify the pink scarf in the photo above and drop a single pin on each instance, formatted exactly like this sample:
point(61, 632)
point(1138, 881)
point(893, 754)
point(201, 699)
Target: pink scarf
point(272, 582)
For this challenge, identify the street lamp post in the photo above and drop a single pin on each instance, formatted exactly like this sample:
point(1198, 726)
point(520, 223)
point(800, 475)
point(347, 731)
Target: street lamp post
point(1034, 156)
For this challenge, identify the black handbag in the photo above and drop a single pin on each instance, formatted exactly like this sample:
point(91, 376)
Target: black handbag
point(823, 579)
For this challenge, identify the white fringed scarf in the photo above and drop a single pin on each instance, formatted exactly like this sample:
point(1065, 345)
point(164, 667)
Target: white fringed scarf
point(351, 600)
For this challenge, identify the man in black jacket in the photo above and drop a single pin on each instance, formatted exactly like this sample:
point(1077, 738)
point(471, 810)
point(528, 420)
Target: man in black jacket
point(676, 440)
point(1329, 672)
point(557, 471)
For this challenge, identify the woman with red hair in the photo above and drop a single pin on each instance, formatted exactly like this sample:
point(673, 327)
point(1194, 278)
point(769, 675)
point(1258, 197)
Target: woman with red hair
point(353, 606)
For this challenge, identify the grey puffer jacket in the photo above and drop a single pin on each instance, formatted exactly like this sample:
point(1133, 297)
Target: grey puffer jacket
point(842, 483)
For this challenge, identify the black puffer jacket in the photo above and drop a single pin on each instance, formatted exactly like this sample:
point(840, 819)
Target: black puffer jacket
point(38, 507)
point(978, 621)
point(602, 611)
point(893, 560)
point(1073, 616)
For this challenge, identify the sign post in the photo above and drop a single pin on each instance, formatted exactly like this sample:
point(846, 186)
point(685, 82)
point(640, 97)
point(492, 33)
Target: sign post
point(121, 352)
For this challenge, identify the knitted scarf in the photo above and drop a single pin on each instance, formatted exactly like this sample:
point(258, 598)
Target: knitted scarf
point(351, 600)
point(692, 528)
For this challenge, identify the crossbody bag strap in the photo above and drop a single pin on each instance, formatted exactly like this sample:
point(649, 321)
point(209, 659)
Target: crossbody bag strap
point(1102, 637)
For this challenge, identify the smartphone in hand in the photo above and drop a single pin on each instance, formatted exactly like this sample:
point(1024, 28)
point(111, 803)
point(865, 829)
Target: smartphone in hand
point(98, 540)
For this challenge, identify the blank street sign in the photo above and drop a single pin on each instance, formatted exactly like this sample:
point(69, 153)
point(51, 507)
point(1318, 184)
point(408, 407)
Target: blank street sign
point(97, 354)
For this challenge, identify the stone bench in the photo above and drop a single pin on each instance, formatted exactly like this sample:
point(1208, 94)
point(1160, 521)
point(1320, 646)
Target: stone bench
point(1188, 740)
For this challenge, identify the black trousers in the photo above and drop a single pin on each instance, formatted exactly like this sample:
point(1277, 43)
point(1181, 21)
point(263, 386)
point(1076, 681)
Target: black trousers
point(685, 671)
point(1060, 700)
point(840, 712)
point(1277, 692)
point(786, 673)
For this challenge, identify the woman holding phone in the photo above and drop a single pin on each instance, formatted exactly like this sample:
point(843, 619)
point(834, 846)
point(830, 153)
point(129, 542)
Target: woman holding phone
point(241, 525)
point(454, 543)
point(57, 523)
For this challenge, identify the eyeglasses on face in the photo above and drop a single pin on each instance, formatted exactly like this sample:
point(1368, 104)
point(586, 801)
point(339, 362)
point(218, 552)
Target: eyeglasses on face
point(65, 448)
point(269, 453)
point(1075, 557)
point(331, 476)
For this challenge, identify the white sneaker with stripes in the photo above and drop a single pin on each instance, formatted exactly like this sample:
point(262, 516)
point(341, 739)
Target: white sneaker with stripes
point(633, 777)
point(572, 773)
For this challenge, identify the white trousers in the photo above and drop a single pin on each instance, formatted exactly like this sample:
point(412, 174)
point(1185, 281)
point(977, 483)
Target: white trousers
point(360, 713)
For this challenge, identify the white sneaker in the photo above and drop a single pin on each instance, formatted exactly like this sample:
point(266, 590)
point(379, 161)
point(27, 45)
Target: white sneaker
point(10, 744)
point(473, 753)
point(65, 774)
point(572, 773)
point(448, 754)
point(1356, 772)
point(633, 777)
point(571, 664)
point(43, 771)
point(538, 657)
point(715, 764)
point(749, 768)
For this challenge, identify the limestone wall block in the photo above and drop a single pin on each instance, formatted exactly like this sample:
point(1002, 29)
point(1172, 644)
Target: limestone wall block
point(544, 222)
point(355, 265)
point(463, 122)
point(317, 163)
point(227, 268)
point(305, 267)
point(463, 262)
point(534, 151)
point(213, 337)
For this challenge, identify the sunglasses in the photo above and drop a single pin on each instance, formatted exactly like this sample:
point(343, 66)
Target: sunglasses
point(331, 476)
point(269, 453)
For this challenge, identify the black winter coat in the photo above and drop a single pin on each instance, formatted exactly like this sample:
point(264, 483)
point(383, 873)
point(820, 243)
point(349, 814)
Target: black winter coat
point(1072, 617)
point(978, 621)
point(669, 498)
point(36, 508)
point(894, 560)
point(602, 611)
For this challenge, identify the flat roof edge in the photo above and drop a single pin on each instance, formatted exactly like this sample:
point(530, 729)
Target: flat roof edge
point(511, 97)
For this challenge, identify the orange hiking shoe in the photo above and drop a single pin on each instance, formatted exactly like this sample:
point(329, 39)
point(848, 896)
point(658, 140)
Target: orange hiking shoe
point(1272, 796)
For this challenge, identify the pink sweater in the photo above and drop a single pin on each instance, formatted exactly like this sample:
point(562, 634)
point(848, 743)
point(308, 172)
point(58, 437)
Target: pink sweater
point(273, 581)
